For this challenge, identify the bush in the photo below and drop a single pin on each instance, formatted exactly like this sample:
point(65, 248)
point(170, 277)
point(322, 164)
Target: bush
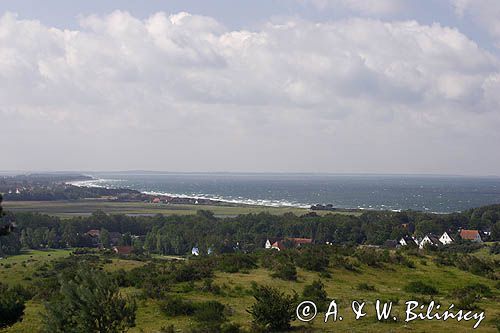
point(467, 296)
point(235, 262)
point(420, 287)
point(174, 306)
point(11, 306)
point(285, 271)
point(313, 259)
point(366, 287)
point(316, 292)
point(210, 312)
point(272, 310)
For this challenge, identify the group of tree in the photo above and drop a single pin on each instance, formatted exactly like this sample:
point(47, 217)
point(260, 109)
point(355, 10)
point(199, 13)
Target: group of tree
point(179, 234)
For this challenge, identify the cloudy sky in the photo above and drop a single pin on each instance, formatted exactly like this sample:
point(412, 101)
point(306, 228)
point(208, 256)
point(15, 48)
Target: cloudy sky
point(381, 86)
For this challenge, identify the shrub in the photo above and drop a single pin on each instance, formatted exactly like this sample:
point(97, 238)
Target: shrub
point(316, 292)
point(366, 287)
point(285, 271)
point(420, 288)
point(313, 259)
point(210, 312)
point(235, 262)
point(89, 302)
point(174, 306)
point(11, 306)
point(272, 310)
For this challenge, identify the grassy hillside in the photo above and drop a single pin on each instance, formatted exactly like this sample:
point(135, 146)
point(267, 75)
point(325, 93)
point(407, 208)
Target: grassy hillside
point(387, 283)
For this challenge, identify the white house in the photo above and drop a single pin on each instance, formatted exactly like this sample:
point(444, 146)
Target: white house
point(446, 239)
point(268, 244)
point(195, 251)
point(429, 240)
point(407, 240)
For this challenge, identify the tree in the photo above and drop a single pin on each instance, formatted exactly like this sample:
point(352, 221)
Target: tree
point(272, 310)
point(104, 238)
point(5, 229)
point(91, 303)
point(11, 306)
point(69, 236)
point(316, 292)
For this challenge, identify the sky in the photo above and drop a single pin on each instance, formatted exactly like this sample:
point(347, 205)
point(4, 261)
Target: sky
point(341, 86)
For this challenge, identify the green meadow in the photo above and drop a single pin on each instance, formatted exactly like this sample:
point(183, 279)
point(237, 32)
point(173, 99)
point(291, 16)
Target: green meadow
point(87, 207)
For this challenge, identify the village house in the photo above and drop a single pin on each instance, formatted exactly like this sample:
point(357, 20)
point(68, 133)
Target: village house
point(270, 241)
point(195, 251)
point(471, 235)
point(290, 241)
point(446, 239)
point(124, 250)
point(429, 240)
point(407, 241)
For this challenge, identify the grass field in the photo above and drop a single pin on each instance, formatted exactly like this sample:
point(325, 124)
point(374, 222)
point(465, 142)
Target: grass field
point(86, 207)
point(388, 281)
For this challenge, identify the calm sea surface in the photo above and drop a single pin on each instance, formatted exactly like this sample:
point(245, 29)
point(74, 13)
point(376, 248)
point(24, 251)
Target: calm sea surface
point(425, 193)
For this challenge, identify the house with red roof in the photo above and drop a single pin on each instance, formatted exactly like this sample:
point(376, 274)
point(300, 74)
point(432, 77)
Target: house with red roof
point(471, 235)
point(288, 242)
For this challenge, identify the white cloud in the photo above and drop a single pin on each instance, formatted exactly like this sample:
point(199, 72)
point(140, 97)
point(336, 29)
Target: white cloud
point(366, 7)
point(485, 14)
point(208, 98)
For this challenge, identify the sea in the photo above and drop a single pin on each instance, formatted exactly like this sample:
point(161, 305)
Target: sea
point(438, 194)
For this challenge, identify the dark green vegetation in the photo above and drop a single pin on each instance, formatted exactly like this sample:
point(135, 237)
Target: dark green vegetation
point(88, 301)
point(177, 234)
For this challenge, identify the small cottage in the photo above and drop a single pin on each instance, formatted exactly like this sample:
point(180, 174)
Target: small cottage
point(446, 239)
point(429, 240)
point(407, 241)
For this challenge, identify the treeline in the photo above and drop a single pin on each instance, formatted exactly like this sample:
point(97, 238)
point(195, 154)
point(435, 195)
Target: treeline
point(49, 187)
point(178, 234)
point(70, 192)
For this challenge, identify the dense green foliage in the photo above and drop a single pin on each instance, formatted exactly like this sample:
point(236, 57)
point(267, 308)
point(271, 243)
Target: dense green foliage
point(11, 305)
point(273, 310)
point(89, 302)
point(178, 234)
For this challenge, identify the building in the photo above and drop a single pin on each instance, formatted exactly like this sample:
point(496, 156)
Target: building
point(471, 235)
point(407, 241)
point(429, 240)
point(124, 250)
point(289, 242)
point(446, 239)
point(269, 242)
point(195, 251)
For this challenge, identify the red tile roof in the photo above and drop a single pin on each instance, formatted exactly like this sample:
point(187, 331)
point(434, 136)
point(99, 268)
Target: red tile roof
point(469, 234)
point(299, 241)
